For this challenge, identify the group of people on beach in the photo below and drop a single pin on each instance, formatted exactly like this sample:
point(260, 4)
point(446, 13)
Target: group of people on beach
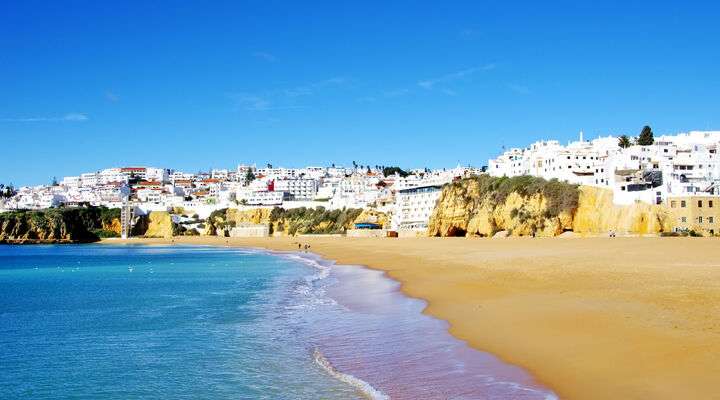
point(303, 247)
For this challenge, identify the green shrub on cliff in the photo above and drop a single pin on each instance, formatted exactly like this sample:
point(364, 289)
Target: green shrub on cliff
point(83, 224)
point(561, 196)
point(105, 233)
point(314, 220)
point(483, 205)
point(298, 220)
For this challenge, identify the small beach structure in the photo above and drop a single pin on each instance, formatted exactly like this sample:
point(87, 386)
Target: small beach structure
point(246, 229)
point(367, 229)
point(367, 225)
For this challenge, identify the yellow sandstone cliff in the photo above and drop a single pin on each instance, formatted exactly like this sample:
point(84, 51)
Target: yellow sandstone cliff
point(112, 226)
point(295, 221)
point(469, 208)
point(155, 224)
point(596, 214)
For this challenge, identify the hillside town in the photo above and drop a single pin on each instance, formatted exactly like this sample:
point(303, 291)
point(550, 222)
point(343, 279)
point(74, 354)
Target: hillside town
point(679, 171)
point(409, 197)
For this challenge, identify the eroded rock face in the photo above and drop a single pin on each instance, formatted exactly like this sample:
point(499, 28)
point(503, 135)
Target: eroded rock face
point(296, 221)
point(55, 226)
point(463, 209)
point(160, 225)
point(156, 224)
point(113, 226)
point(596, 214)
point(373, 216)
point(468, 212)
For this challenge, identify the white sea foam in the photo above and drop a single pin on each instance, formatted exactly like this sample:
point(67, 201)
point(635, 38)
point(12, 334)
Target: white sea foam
point(311, 295)
point(363, 387)
point(310, 288)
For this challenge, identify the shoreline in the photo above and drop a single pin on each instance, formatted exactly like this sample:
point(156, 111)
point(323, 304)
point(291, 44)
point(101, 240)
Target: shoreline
point(587, 317)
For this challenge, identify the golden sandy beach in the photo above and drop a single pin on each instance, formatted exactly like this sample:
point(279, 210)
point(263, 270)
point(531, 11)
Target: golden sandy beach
point(592, 318)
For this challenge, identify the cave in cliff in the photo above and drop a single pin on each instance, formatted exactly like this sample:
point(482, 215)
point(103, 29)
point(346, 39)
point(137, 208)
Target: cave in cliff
point(455, 231)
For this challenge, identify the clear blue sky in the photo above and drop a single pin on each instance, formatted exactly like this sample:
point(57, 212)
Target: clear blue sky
point(91, 84)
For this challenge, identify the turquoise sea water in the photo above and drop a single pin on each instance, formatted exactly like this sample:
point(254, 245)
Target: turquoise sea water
point(121, 322)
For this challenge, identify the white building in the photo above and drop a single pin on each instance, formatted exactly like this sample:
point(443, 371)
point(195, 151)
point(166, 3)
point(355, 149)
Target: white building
point(672, 166)
point(416, 197)
point(297, 189)
point(261, 198)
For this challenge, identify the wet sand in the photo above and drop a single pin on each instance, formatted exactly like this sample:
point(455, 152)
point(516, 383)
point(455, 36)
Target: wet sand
point(591, 318)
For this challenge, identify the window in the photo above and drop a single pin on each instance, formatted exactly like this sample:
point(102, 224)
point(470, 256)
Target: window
point(682, 203)
point(699, 203)
point(673, 204)
point(699, 220)
point(710, 203)
point(711, 220)
point(683, 219)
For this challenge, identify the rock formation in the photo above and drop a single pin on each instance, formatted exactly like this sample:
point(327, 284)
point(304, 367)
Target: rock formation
point(526, 206)
point(596, 214)
point(59, 225)
point(157, 224)
point(289, 222)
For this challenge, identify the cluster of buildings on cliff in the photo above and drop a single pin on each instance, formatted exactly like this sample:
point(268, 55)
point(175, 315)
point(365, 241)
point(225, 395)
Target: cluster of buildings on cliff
point(410, 198)
point(680, 171)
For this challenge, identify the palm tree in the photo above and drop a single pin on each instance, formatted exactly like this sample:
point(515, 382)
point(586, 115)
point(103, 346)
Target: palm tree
point(624, 142)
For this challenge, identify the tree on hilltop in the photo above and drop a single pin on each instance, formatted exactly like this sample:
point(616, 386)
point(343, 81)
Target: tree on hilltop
point(624, 142)
point(249, 176)
point(646, 137)
point(7, 190)
point(387, 171)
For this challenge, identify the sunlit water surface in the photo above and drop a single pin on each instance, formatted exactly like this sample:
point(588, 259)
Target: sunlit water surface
point(119, 322)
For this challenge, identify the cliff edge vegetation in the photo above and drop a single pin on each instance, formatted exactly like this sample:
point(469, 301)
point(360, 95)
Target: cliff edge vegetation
point(286, 222)
point(485, 205)
point(526, 205)
point(59, 225)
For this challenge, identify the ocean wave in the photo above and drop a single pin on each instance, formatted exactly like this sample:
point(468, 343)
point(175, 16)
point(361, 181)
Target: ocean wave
point(310, 287)
point(363, 387)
